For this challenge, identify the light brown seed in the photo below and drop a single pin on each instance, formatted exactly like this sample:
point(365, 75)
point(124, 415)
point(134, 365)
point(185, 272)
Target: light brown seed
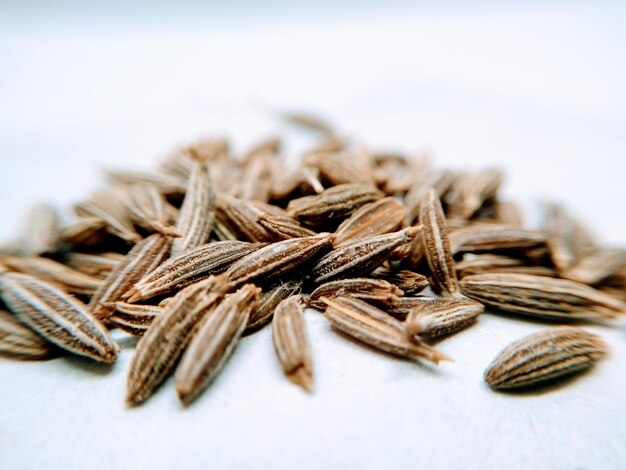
point(374, 327)
point(197, 213)
point(332, 204)
point(142, 259)
point(487, 263)
point(437, 245)
point(544, 356)
point(108, 206)
point(41, 231)
point(86, 232)
point(191, 266)
point(255, 181)
point(167, 184)
point(377, 291)
point(56, 273)
point(558, 299)
point(492, 237)
point(167, 337)
point(57, 316)
point(263, 312)
point(376, 218)
point(403, 306)
point(471, 190)
point(442, 317)
point(19, 341)
point(214, 342)
point(276, 259)
point(338, 168)
point(307, 121)
point(134, 318)
point(508, 213)
point(291, 343)
point(361, 256)
point(240, 218)
point(283, 228)
point(409, 282)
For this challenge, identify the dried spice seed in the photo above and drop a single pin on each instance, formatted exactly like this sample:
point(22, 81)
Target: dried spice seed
point(134, 318)
point(291, 343)
point(544, 356)
point(437, 245)
point(376, 291)
point(19, 341)
point(214, 342)
point(57, 316)
point(411, 283)
point(269, 299)
point(374, 327)
point(557, 299)
point(360, 256)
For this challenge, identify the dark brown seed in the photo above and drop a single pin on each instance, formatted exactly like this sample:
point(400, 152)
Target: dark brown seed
point(376, 291)
point(262, 314)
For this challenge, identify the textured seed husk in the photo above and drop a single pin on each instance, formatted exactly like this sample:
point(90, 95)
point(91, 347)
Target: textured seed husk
point(375, 291)
point(332, 204)
point(142, 259)
point(161, 346)
point(361, 256)
point(488, 263)
point(57, 316)
point(147, 208)
point(546, 297)
point(307, 121)
point(376, 218)
point(191, 266)
point(255, 181)
point(508, 213)
point(291, 343)
point(544, 356)
point(439, 180)
point(374, 327)
point(197, 213)
point(491, 237)
point(471, 190)
point(442, 317)
point(276, 259)
point(596, 266)
point(283, 228)
point(264, 309)
point(409, 282)
point(437, 245)
point(167, 184)
point(134, 318)
point(240, 218)
point(20, 342)
point(214, 342)
point(97, 265)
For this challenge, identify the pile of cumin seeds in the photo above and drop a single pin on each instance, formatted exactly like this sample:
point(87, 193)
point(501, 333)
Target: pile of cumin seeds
point(210, 246)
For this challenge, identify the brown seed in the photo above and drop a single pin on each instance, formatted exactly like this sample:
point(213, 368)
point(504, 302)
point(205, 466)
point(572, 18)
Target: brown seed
point(557, 299)
point(376, 291)
point(291, 343)
point(376, 218)
point(96, 265)
point(361, 256)
point(273, 260)
point(544, 356)
point(283, 228)
point(487, 263)
point(338, 168)
point(19, 341)
point(214, 342)
point(442, 317)
point(492, 237)
point(41, 231)
point(147, 208)
point(162, 345)
point(597, 266)
point(108, 206)
point(197, 214)
point(374, 327)
point(332, 204)
point(437, 245)
point(240, 218)
point(57, 316)
point(191, 266)
point(143, 258)
point(262, 314)
point(403, 306)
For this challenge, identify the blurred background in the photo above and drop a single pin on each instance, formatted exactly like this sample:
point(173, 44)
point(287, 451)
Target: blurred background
point(534, 87)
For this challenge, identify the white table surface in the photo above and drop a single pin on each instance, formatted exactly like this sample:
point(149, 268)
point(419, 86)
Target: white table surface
point(535, 89)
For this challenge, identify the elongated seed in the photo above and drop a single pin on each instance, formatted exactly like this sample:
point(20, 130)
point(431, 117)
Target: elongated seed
point(409, 282)
point(291, 343)
point(442, 317)
point(134, 318)
point(377, 291)
point(437, 245)
point(544, 356)
point(213, 343)
point(57, 316)
point(361, 256)
point(19, 341)
point(262, 314)
point(374, 327)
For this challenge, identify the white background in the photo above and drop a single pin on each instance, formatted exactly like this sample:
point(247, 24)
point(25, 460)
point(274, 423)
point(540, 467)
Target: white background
point(536, 88)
